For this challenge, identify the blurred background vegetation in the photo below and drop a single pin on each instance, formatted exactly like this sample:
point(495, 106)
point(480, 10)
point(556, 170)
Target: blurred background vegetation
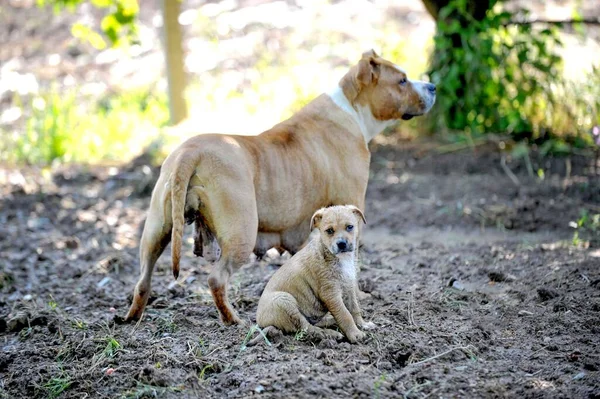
point(85, 81)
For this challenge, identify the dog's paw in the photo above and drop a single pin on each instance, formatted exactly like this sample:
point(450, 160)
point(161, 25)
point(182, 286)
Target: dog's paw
point(333, 334)
point(369, 325)
point(356, 336)
point(233, 320)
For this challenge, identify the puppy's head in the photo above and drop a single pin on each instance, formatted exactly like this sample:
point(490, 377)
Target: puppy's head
point(338, 227)
point(386, 89)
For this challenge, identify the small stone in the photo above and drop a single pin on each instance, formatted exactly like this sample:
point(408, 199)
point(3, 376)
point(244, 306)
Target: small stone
point(264, 383)
point(17, 322)
point(259, 389)
point(112, 310)
point(460, 368)
point(579, 376)
point(454, 283)
point(28, 297)
point(103, 282)
point(109, 371)
point(525, 313)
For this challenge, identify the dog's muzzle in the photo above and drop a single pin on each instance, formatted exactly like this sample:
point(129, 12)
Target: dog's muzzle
point(427, 92)
point(342, 246)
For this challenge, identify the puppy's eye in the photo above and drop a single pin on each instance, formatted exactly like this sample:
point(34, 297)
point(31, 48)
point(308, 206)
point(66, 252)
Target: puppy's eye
point(330, 231)
point(402, 81)
point(349, 228)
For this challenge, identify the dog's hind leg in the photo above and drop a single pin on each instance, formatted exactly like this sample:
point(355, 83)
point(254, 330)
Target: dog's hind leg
point(155, 237)
point(231, 211)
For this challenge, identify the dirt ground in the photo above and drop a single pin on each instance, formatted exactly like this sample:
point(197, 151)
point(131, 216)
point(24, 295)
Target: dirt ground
point(476, 289)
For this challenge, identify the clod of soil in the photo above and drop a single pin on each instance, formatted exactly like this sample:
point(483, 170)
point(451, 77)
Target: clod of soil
point(545, 294)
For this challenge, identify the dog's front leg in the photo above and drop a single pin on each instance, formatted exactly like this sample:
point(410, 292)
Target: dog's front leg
point(343, 317)
point(354, 308)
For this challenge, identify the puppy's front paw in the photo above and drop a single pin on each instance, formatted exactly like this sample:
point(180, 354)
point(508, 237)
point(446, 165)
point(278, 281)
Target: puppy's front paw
point(369, 325)
point(356, 336)
point(333, 334)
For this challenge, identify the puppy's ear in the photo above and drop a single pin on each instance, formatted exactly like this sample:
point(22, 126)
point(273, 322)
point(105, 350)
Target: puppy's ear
point(316, 219)
point(368, 69)
point(358, 213)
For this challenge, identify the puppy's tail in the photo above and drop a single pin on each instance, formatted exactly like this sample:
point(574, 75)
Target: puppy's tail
point(179, 185)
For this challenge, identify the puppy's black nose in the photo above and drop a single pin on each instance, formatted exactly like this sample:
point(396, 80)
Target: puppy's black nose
point(430, 88)
point(342, 245)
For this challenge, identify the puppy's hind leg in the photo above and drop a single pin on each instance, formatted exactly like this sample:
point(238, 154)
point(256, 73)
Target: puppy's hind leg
point(284, 314)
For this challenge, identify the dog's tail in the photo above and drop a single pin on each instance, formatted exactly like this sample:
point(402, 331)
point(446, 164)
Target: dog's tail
point(179, 185)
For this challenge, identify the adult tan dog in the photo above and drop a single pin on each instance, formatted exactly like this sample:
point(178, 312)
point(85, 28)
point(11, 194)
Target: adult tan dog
point(321, 277)
point(253, 193)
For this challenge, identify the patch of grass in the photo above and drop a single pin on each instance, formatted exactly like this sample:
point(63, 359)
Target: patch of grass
point(454, 298)
point(243, 346)
point(68, 127)
point(148, 391)
point(57, 385)
point(587, 229)
point(377, 385)
point(6, 280)
point(79, 324)
point(52, 304)
point(300, 335)
point(25, 333)
point(112, 347)
point(165, 326)
point(205, 370)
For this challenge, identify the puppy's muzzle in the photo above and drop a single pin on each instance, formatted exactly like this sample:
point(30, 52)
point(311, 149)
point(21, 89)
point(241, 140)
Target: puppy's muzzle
point(343, 246)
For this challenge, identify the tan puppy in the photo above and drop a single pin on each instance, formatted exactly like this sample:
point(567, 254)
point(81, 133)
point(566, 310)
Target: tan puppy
point(321, 277)
point(250, 194)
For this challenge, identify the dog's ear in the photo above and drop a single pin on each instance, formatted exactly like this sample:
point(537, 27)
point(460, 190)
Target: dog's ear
point(368, 69)
point(358, 213)
point(316, 218)
point(370, 53)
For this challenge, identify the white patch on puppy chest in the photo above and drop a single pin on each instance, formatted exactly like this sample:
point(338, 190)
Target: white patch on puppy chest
point(348, 267)
point(348, 263)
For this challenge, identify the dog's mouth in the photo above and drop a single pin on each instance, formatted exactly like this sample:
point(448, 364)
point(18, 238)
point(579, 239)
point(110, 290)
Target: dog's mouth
point(338, 251)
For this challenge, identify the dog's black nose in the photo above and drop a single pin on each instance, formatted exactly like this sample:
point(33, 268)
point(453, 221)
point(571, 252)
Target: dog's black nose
point(342, 245)
point(430, 88)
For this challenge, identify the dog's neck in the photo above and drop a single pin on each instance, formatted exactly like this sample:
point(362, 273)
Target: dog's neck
point(362, 115)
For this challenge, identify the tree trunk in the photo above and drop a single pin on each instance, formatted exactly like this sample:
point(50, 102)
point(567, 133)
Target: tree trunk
point(173, 49)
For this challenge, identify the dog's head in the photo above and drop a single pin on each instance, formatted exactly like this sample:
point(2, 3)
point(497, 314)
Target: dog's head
point(338, 227)
point(386, 90)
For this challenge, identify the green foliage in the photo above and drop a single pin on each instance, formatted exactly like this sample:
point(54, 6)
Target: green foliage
point(69, 128)
point(112, 347)
point(495, 76)
point(119, 23)
point(57, 385)
point(587, 229)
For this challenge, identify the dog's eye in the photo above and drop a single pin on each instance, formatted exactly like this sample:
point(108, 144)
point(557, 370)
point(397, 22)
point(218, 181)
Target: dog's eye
point(402, 81)
point(349, 228)
point(330, 231)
